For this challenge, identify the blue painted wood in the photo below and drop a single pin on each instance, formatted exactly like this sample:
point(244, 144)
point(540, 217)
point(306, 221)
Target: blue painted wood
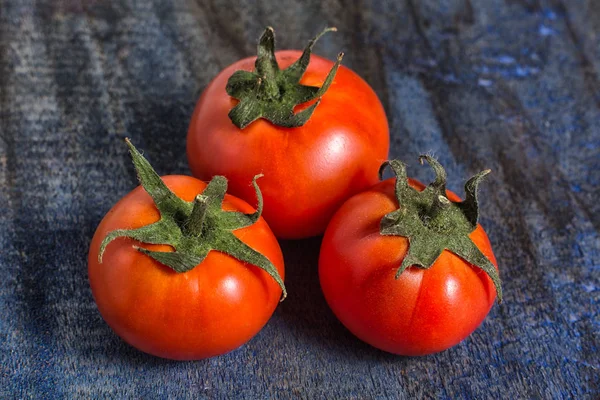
point(503, 84)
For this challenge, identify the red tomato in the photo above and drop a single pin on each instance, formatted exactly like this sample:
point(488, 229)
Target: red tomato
point(309, 170)
point(424, 310)
point(210, 310)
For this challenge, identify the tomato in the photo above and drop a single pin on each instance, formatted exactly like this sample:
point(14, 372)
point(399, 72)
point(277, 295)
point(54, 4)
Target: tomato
point(211, 309)
point(423, 311)
point(308, 170)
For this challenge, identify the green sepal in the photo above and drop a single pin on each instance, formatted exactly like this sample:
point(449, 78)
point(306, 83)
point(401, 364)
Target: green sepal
point(194, 228)
point(433, 223)
point(271, 93)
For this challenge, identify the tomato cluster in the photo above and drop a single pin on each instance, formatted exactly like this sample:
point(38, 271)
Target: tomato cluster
point(184, 269)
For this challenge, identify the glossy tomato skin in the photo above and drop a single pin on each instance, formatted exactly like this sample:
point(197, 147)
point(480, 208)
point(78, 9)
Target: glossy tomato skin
point(423, 311)
point(210, 310)
point(308, 171)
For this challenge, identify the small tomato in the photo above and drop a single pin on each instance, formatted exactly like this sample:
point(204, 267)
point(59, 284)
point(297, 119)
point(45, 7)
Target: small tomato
point(407, 268)
point(180, 269)
point(315, 129)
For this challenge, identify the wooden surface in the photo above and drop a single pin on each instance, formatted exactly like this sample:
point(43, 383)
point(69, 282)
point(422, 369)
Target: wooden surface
point(503, 84)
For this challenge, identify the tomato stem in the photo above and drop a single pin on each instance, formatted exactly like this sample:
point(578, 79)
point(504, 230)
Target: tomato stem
point(196, 220)
point(271, 93)
point(432, 223)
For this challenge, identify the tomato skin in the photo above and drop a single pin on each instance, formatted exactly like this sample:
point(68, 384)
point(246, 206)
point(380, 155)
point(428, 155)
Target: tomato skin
point(210, 310)
point(308, 171)
point(423, 311)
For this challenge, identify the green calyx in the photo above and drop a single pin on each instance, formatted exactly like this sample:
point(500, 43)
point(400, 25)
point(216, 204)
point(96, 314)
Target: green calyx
point(194, 228)
point(271, 93)
point(432, 223)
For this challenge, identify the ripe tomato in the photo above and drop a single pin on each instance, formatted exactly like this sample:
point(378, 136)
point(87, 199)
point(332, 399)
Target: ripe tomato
point(209, 310)
point(308, 170)
point(424, 310)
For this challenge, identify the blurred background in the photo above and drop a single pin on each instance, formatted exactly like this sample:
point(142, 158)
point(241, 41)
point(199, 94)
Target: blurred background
point(510, 85)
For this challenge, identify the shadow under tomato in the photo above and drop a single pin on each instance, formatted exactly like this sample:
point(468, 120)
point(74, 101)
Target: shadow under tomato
point(306, 313)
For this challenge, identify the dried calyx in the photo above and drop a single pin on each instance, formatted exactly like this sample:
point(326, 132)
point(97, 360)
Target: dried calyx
point(271, 93)
point(432, 223)
point(194, 228)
